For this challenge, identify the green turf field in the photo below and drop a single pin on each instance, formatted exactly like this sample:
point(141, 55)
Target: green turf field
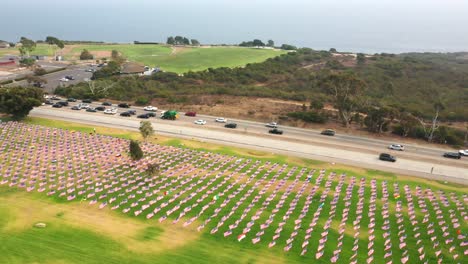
point(183, 59)
point(78, 232)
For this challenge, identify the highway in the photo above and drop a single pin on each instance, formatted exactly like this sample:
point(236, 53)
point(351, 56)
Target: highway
point(352, 150)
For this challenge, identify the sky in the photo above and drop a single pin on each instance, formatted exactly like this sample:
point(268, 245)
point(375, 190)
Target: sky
point(348, 25)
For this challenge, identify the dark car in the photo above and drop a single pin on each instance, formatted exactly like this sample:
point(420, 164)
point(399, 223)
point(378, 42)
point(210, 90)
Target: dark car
point(191, 114)
point(125, 114)
point(92, 110)
point(124, 105)
point(107, 103)
point(100, 108)
point(71, 100)
point(69, 77)
point(87, 101)
point(63, 103)
point(387, 157)
point(146, 116)
point(55, 98)
point(328, 132)
point(275, 131)
point(231, 125)
point(452, 155)
point(131, 111)
point(57, 105)
point(48, 102)
point(38, 85)
point(75, 108)
point(151, 114)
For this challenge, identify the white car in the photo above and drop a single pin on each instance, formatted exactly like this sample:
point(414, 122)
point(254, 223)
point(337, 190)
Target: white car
point(111, 111)
point(463, 152)
point(150, 108)
point(83, 106)
point(200, 122)
point(272, 125)
point(397, 147)
point(221, 120)
point(64, 79)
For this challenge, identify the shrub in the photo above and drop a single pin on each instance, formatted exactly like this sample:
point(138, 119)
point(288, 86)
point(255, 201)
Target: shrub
point(311, 116)
point(142, 101)
point(135, 151)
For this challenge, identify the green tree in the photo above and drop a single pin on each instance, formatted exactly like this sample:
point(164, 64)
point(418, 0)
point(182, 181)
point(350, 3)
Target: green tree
point(55, 42)
point(258, 43)
point(170, 41)
point(375, 120)
point(288, 47)
point(135, 151)
point(86, 55)
point(27, 46)
point(18, 101)
point(360, 59)
point(270, 43)
point(195, 42)
point(345, 89)
point(186, 41)
point(316, 103)
point(146, 129)
point(38, 71)
point(333, 50)
point(27, 62)
point(178, 40)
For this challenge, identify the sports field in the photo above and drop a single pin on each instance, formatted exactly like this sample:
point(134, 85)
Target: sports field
point(210, 204)
point(173, 59)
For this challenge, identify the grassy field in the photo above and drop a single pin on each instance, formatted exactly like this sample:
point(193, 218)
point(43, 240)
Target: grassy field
point(78, 232)
point(181, 59)
point(173, 59)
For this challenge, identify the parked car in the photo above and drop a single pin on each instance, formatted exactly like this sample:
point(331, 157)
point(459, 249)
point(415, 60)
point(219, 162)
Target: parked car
point(69, 77)
point(150, 108)
point(231, 125)
point(124, 105)
point(49, 102)
point(87, 101)
point(57, 105)
point(387, 157)
point(275, 131)
point(397, 147)
point(463, 152)
point(127, 114)
point(71, 99)
point(55, 98)
point(452, 155)
point(111, 111)
point(272, 125)
point(200, 122)
point(92, 110)
point(76, 107)
point(107, 103)
point(63, 79)
point(221, 120)
point(145, 116)
point(328, 132)
point(100, 108)
point(63, 103)
point(190, 113)
point(90, 70)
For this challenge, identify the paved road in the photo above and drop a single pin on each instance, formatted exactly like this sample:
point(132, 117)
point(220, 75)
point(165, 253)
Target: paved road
point(326, 149)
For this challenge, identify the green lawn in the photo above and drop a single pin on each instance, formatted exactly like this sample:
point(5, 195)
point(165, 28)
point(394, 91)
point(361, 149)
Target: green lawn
point(80, 233)
point(184, 59)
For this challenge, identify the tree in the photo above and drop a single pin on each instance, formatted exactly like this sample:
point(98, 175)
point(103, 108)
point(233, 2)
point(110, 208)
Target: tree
point(258, 43)
point(195, 42)
point(18, 101)
point(375, 120)
point(270, 43)
point(35, 80)
point(86, 55)
point(38, 71)
point(333, 50)
point(27, 46)
point(186, 41)
point(438, 107)
point(53, 41)
point(146, 129)
point(117, 57)
point(99, 89)
point(345, 89)
point(179, 40)
point(360, 59)
point(170, 41)
point(27, 62)
point(288, 47)
point(135, 151)
point(316, 103)
point(153, 169)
